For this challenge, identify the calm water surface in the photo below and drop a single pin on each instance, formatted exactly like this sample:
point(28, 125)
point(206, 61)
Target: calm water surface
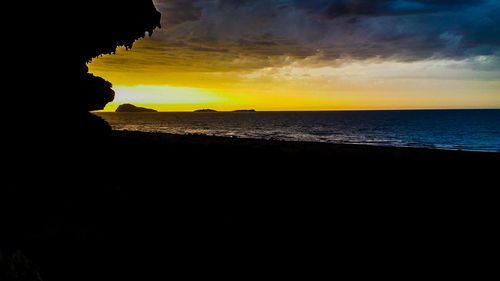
point(445, 129)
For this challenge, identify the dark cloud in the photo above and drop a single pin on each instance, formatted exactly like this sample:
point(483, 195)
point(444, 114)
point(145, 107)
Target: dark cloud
point(403, 30)
point(178, 11)
point(375, 8)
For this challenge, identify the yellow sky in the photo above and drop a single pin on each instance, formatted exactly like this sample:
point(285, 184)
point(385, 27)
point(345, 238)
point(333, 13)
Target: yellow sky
point(192, 83)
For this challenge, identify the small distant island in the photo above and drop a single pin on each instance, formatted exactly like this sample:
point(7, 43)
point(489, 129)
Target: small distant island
point(205, 110)
point(244, 110)
point(127, 107)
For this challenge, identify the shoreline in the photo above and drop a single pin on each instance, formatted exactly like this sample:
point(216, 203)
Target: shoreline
point(474, 131)
point(274, 141)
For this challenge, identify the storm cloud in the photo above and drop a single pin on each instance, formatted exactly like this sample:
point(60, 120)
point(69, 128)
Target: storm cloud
point(375, 8)
point(263, 32)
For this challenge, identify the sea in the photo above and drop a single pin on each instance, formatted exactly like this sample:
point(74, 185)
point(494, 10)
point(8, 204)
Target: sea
point(472, 130)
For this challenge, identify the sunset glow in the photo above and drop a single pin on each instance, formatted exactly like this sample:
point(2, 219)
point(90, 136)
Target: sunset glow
point(185, 65)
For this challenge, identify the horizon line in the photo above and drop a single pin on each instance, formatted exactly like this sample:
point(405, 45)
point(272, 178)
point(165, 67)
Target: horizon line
point(315, 110)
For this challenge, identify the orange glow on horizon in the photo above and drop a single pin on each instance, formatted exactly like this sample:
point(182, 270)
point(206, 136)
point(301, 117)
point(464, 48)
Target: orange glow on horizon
point(353, 86)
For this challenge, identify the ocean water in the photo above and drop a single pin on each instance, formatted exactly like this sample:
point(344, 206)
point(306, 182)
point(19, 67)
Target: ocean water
point(477, 130)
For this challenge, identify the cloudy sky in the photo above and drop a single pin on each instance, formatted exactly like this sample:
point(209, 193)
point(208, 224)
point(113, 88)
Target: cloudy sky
point(313, 55)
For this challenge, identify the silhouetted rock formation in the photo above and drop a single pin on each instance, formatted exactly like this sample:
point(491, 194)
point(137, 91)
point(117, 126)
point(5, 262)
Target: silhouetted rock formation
point(47, 118)
point(205, 110)
point(127, 107)
point(57, 40)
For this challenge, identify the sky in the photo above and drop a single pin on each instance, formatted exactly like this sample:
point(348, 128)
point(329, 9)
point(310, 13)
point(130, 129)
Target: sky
point(312, 55)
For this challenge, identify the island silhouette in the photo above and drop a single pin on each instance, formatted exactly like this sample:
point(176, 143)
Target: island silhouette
point(205, 110)
point(244, 110)
point(127, 107)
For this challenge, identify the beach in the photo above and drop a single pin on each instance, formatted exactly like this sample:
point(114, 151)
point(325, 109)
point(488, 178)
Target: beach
point(147, 160)
point(220, 203)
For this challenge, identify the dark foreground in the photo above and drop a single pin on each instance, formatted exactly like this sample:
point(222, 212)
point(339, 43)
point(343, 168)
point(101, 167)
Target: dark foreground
point(143, 206)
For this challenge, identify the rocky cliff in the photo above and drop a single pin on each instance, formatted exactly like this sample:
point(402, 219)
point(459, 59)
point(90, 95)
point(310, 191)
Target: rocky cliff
point(50, 45)
point(47, 118)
